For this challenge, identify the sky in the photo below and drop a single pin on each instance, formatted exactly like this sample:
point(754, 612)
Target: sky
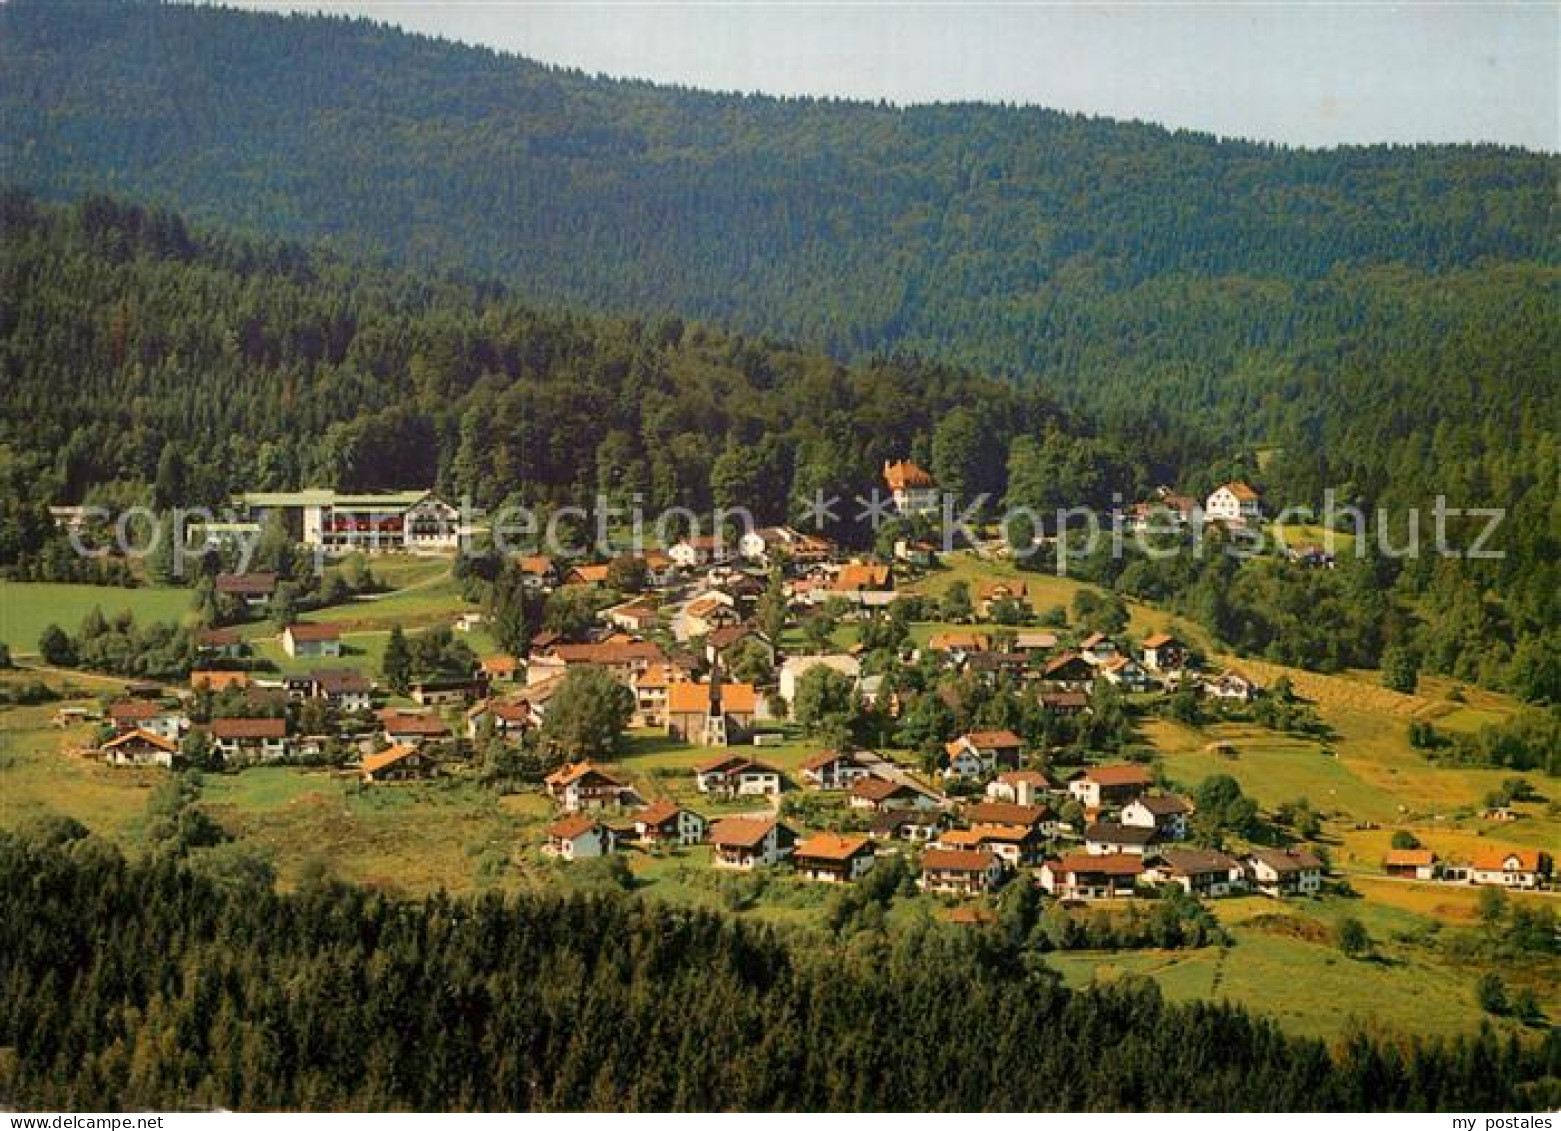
point(1303, 73)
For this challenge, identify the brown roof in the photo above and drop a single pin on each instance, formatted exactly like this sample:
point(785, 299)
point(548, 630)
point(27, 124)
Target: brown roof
point(131, 710)
point(880, 789)
point(337, 681)
point(246, 584)
point(1409, 858)
point(740, 832)
point(573, 772)
point(536, 564)
point(217, 637)
point(587, 575)
point(903, 474)
point(1118, 774)
point(1164, 804)
point(1004, 813)
point(1196, 861)
point(1294, 860)
point(658, 813)
point(827, 757)
point(1108, 832)
point(1118, 864)
point(407, 722)
point(1062, 660)
point(1034, 777)
point(997, 590)
point(995, 739)
point(249, 728)
point(568, 828)
point(1160, 640)
point(302, 631)
point(501, 664)
point(1243, 492)
point(964, 641)
point(833, 846)
point(610, 653)
point(955, 860)
point(139, 735)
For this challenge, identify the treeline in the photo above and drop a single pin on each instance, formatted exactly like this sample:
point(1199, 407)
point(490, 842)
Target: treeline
point(148, 984)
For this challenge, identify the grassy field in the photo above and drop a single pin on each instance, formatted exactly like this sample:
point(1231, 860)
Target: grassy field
point(27, 608)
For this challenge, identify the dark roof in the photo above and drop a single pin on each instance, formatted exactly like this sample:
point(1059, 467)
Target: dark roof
point(1164, 804)
point(1105, 832)
point(249, 728)
point(247, 584)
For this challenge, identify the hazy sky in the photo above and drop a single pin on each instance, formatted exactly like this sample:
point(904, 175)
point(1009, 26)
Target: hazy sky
point(1307, 73)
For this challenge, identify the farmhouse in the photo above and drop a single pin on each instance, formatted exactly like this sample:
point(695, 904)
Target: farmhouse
point(220, 643)
point(1235, 503)
point(396, 763)
point(666, 822)
point(581, 785)
point(137, 747)
point(1165, 813)
point(1068, 671)
point(992, 593)
point(832, 858)
point(343, 688)
point(1231, 685)
point(137, 714)
point(511, 718)
point(1199, 872)
point(311, 640)
point(1102, 786)
point(1279, 872)
point(1164, 652)
point(1022, 787)
point(1526, 868)
point(253, 590)
point(1105, 838)
point(1092, 877)
point(981, 754)
point(732, 775)
point(1410, 863)
point(833, 769)
point(578, 837)
point(412, 727)
point(911, 488)
point(250, 740)
point(881, 794)
point(748, 843)
point(959, 871)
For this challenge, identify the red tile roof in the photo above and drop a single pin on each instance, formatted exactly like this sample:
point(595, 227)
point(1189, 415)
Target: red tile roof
point(249, 728)
point(955, 860)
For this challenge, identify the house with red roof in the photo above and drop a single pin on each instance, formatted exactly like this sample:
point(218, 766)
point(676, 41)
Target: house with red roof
point(960, 871)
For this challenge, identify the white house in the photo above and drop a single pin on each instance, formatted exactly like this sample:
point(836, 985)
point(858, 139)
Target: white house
point(732, 775)
point(1092, 877)
point(959, 871)
point(153, 718)
point(139, 748)
point(1107, 838)
point(1519, 868)
point(1279, 872)
point(700, 550)
point(1199, 872)
point(981, 754)
point(834, 769)
point(1116, 784)
point(1235, 502)
point(747, 843)
point(581, 785)
point(311, 640)
point(666, 822)
point(250, 740)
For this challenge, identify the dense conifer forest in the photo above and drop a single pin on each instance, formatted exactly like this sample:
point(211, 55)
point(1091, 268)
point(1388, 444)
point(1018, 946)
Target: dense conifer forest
point(147, 983)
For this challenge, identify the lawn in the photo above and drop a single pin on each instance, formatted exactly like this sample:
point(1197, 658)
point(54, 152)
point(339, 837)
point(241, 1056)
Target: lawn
point(1284, 963)
point(41, 775)
point(28, 607)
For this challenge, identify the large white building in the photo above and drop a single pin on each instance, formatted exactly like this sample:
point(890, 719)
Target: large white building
point(416, 521)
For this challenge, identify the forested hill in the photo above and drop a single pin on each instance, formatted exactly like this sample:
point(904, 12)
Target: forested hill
point(1003, 237)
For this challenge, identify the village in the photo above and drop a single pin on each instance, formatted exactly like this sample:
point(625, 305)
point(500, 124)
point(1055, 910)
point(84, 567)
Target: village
point(726, 650)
